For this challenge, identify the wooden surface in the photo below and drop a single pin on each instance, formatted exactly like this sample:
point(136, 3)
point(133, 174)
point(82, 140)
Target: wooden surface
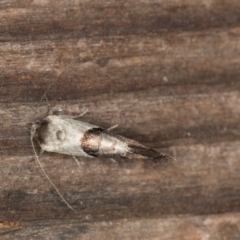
point(167, 72)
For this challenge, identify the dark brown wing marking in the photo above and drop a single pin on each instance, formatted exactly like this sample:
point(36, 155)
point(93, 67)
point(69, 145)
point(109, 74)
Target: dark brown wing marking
point(91, 141)
point(95, 142)
point(149, 153)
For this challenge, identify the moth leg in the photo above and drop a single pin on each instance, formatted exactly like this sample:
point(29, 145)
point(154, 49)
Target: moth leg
point(77, 161)
point(113, 160)
point(113, 127)
point(41, 152)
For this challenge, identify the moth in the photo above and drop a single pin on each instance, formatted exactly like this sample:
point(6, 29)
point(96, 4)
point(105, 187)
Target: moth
point(66, 135)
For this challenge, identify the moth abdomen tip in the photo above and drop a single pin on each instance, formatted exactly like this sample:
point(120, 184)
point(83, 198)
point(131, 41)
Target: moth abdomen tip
point(149, 153)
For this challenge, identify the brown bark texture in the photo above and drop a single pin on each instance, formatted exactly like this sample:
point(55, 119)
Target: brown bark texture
point(167, 73)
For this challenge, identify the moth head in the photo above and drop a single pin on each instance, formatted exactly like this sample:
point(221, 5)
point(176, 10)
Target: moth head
point(42, 131)
point(47, 133)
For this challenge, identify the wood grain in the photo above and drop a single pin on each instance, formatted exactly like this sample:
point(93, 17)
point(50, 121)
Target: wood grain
point(167, 72)
point(178, 227)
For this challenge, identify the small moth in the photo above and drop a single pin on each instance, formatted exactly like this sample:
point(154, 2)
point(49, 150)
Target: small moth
point(66, 135)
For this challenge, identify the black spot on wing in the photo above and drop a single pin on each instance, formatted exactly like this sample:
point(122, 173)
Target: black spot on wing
point(60, 134)
point(91, 141)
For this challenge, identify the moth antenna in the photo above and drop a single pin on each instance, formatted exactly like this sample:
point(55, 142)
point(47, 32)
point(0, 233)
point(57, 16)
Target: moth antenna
point(55, 81)
point(48, 178)
point(49, 112)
